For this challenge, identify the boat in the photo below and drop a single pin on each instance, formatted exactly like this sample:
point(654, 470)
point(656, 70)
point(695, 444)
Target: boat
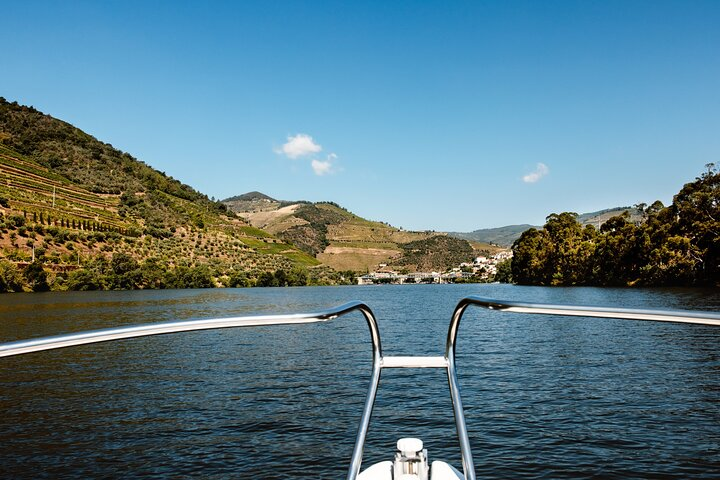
point(411, 461)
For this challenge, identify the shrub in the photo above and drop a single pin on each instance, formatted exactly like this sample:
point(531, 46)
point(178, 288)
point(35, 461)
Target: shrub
point(191, 277)
point(83, 280)
point(10, 278)
point(37, 277)
point(15, 221)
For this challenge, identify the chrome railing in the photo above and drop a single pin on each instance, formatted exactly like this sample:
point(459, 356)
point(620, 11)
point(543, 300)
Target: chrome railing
point(119, 333)
point(704, 318)
point(378, 360)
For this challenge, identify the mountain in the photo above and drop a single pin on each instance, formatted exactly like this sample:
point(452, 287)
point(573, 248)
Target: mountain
point(596, 219)
point(502, 236)
point(345, 241)
point(77, 204)
point(251, 197)
point(505, 236)
point(251, 202)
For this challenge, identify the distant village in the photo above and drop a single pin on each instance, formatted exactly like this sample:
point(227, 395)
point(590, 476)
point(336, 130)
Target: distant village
point(482, 269)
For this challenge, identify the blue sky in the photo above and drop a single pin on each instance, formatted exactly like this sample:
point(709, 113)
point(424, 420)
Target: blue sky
point(427, 115)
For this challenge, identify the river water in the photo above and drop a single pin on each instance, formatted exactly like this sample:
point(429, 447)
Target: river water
point(545, 397)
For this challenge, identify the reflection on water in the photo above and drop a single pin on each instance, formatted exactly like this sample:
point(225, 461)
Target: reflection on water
point(545, 397)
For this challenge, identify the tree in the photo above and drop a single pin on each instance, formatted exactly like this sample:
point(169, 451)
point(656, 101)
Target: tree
point(504, 271)
point(571, 248)
point(266, 279)
point(531, 263)
point(36, 277)
point(238, 279)
point(190, 277)
point(297, 277)
point(85, 280)
point(124, 272)
point(697, 210)
point(10, 278)
point(618, 253)
point(153, 273)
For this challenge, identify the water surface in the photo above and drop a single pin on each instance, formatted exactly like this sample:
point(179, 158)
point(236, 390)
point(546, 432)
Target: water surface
point(545, 397)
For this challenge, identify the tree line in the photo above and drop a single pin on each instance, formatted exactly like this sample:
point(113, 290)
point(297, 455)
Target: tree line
point(677, 245)
point(122, 272)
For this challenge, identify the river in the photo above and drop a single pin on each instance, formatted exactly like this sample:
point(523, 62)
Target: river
point(545, 397)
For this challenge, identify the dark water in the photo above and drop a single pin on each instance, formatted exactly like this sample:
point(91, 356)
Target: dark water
point(545, 397)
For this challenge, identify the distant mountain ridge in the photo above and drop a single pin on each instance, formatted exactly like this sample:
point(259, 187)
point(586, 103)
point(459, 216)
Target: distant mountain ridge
point(502, 236)
point(505, 236)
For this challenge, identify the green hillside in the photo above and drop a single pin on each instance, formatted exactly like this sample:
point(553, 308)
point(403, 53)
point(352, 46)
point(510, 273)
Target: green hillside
point(344, 241)
point(80, 208)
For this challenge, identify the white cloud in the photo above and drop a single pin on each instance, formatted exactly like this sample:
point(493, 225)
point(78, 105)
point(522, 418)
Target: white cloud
point(300, 145)
point(321, 167)
point(324, 167)
point(303, 146)
point(540, 171)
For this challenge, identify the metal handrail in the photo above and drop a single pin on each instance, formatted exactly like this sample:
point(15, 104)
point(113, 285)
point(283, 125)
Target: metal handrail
point(131, 331)
point(378, 360)
point(673, 316)
point(110, 334)
point(677, 316)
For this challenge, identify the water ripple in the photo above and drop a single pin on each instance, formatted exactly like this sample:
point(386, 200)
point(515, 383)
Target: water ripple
point(545, 398)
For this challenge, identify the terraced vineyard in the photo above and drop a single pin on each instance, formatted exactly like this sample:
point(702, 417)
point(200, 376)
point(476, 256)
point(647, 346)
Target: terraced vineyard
point(36, 190)
point(82, 234)
point(345, 241)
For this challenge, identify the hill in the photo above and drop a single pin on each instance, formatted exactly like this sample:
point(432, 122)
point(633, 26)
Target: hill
point(502, 236)
point(596, 219)
point(505, 236)
point(345, 241)
point(251, 202)
point(75, 204)
point(251, 197)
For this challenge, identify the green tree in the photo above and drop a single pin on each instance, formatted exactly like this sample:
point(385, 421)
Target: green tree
point(124, 272)
point(36, 277)
point(266, 279)
point(531, 258)
point(190, 277)
point(504, 271)
point(677, 245)
point(297, 277)
point(85, 280)
point(617, 259)
point(697, 210)
point(10, 278)
point(570, 249)
point(153, 273)
point(238, 280)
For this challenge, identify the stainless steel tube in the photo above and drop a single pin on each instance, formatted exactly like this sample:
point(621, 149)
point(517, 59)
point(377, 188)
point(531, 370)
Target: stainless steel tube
point(110, 334)
point(703, 318)
point(105, 335)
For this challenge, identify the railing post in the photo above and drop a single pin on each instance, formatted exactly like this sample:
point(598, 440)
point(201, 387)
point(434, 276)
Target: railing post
point(356, 459)
point(458, 412)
